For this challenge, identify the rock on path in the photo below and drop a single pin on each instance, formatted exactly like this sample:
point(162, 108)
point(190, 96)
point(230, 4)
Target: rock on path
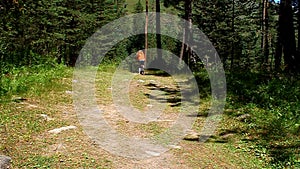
point(58, 130)
point(4, 162)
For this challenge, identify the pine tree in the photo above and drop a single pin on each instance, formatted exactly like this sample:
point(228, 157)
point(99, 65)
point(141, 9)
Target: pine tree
point(286, 43)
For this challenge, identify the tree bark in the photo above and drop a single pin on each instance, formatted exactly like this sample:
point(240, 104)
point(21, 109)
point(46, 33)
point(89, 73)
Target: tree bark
point(298, 50)
point(233, 30)
point(186, 51)
point(146, 31)
point(266, 32)
point(286, 37)
point(158, 35)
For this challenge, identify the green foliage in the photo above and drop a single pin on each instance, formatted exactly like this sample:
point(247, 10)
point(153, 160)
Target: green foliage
point(34, 35)
point(234, 28)
point(54, 29)
point(138, 7)
point(33, 80)
point(273, 105)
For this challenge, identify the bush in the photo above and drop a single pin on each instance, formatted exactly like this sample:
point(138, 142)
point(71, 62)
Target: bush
point(273, 103)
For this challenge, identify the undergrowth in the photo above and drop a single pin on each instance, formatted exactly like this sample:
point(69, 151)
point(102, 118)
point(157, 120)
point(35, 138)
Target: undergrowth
point(32, 80)
point(273, 104)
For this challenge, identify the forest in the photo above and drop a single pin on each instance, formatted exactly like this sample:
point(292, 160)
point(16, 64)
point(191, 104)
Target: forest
point(257, 41)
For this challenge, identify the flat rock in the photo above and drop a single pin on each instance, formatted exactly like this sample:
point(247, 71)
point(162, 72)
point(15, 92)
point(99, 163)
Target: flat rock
point(227, 136)
point(175, 147)
point(152, 153)
point(69, 92)
point(18, 99)
point(192, 136)
point(46, 117)
point(58, 130)
point(4, 162)
point(149, 105)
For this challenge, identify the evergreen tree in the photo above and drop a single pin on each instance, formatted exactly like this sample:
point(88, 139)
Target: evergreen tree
point(286, 43)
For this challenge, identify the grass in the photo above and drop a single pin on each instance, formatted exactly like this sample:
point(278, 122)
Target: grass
point(23, 130)
point(141, 87)
point(268, 139)
point(272, 102)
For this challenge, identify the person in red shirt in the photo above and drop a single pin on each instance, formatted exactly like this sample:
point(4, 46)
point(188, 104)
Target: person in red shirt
point(140, 56)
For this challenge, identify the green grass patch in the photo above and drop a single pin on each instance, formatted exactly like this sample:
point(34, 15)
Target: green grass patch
point(33, 80)
point(272, 104)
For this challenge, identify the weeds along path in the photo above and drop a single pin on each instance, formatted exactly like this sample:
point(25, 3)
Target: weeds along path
point(25, 127)
point(162, 88)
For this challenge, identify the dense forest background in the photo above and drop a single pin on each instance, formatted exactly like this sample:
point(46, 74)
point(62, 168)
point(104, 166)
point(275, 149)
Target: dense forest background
point(258, 42)
point(253, 35)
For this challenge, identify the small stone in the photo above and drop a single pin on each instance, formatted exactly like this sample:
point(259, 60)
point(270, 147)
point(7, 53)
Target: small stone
point(150, 105)
point(46, 117)
point(58, 130)
point(175, 147)
point(18, 99)
point(243, 117)
point(4, 162)
point(164, 120)
point(192, 136)
point(227, 136)
point(69, 92)
point(152, 153)
point(141, 81)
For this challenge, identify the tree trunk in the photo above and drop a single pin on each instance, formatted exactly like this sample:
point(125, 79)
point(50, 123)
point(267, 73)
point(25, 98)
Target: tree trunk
point(262, 24)
point(265, 32)
point(297, 57)
point(298, 17)
point(279, 45)
point(146, 31)
point(286, 37)
point(158, 35)
point(186, 51)
point(182, 44)
point(233, 30)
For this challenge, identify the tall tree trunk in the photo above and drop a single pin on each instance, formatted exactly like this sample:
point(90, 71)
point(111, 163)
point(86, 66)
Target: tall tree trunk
point(298, 49)
point(262, 24)
point(286, 36)
point(158, 35)
point(278, 52)
point(183, 44)
point(298, 17)
point(146, 31)
point(233, 30)
point(279, 45)
point(186, 51)
point(265, 32)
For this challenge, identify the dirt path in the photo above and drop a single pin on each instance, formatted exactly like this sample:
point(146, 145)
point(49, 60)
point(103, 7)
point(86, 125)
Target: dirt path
point(76, 149)
point(185, 154)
